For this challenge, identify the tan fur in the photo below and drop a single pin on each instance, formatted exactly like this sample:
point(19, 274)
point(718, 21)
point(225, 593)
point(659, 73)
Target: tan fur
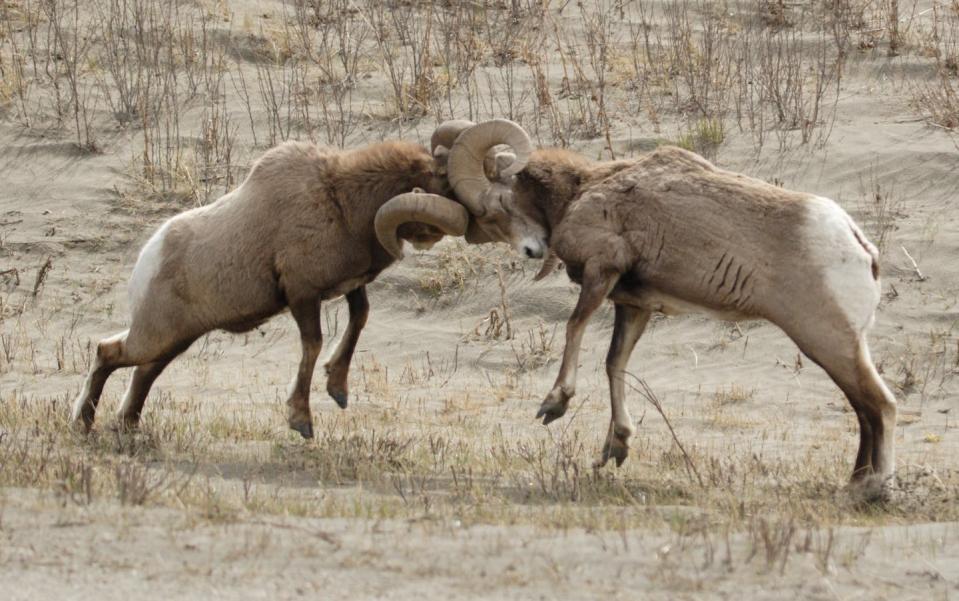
point(670, 232)
point(298, 230)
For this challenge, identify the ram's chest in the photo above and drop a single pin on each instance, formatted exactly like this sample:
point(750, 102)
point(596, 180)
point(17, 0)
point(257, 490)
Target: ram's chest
point(575, 272)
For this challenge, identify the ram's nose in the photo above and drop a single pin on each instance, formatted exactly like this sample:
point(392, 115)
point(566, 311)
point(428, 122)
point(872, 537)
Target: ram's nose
point(534, 249)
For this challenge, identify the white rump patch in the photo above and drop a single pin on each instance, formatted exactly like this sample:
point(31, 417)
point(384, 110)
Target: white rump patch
point(146, 268)
point(833, 250)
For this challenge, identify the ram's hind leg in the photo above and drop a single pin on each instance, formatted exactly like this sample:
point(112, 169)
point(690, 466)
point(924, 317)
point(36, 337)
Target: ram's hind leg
point(148, 342)
point(338, 367)
point(628, 327)
point(143, 378)
point(128, 415)
point(307, 316)
point(846, 359)
point(108, 357)
point(880, 410)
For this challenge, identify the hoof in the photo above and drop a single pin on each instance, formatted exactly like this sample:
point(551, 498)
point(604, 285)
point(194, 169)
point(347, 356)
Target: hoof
point(305, 428)
point(128, 422)
point(81, 424)
point(618, 453)
point(125, 426)
point(554, 405)
point(339, 397)
point(83, 416)
point(550, 413)
point(871, 488)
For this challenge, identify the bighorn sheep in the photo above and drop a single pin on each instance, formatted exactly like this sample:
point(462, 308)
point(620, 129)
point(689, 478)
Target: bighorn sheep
point(306, 225)
point(670, 232)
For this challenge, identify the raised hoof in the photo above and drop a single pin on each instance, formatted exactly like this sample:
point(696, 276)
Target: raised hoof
point(617, 453)
point(339, 397)
point(305, 428)
point(550, 413)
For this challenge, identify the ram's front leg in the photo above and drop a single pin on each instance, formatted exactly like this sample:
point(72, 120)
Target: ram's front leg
point(598, 281)
point(338, 367)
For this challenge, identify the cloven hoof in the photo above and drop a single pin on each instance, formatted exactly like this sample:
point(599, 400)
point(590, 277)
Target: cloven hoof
point(81, 426)
point(305, 428)
point(618, 452)
point(871, 489)
point(550, 413)
point(340, 398)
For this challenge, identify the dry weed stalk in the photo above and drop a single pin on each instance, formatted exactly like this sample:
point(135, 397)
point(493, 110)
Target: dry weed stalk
point(647, 393)
point(42, 275)
point(938, 100)
point(881, 206)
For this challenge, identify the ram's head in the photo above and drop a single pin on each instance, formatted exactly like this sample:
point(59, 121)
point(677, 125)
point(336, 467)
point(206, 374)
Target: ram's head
point(479, 163)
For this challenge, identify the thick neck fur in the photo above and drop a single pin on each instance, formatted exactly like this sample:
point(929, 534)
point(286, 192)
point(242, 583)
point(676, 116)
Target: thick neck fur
point(554, 178)
point(387, 169)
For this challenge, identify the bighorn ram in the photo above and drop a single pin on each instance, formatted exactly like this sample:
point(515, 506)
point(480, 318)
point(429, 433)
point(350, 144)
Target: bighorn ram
point(307, 224)
point(670, 232)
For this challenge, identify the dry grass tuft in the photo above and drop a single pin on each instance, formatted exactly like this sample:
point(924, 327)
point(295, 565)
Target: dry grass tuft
point(368, 465)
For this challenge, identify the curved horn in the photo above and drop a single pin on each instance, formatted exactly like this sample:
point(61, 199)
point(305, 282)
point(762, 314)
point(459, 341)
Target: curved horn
point(432, 209)
point(446, 133)
point(550, 263)
point(466, 173)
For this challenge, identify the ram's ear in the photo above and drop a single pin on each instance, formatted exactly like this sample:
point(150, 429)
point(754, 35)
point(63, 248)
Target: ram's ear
point(497, 160)
point(475, 234)
point(503, 160)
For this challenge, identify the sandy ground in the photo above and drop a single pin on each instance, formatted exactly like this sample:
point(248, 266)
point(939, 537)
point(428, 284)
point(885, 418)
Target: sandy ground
point(102, 553)
point(424, 361)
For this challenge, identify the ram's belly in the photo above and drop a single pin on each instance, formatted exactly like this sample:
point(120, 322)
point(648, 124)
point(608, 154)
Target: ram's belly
point(346, 286)
point(667, 304)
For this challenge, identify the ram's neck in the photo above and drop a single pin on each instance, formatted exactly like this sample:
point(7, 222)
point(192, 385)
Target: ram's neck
point(378, 172)
point(545, 188)
point(555, 205)
point(555, 178)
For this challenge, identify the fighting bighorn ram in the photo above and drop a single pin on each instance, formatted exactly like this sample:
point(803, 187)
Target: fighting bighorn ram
point(307, 224)
point(670, 232)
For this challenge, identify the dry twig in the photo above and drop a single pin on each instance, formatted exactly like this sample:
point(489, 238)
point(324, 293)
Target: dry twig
point(915, 266)
point(650, 396)
point(42, 275)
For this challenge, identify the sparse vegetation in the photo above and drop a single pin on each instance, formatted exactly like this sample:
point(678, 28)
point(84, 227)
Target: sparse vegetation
point(880, 207)
point(937, 97)
point(705, 137)
point(181, 456)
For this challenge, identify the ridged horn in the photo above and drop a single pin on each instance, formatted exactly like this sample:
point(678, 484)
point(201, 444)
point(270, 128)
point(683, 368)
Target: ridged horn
point(432, 209)
point(550, 263)
point(467, 156)
point(446, 133)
